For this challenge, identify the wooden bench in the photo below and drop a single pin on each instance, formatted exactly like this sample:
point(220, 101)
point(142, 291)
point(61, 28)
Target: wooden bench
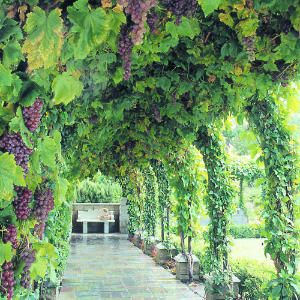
point(94, 216)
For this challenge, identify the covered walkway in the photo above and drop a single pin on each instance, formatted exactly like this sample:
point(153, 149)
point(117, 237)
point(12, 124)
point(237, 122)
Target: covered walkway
point(110, 267)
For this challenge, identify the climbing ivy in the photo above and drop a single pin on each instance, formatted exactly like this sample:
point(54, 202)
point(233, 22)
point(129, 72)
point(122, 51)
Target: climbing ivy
point(282, 174)
point(151, 201)
point(134, 190)
point(187, 174)
point(164, 194)
point(218, 202)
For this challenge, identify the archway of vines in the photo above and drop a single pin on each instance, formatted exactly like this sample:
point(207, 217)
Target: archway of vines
point(122, 86)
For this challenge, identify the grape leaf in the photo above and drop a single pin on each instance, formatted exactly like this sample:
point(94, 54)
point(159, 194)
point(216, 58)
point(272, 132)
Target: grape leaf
point(66, 88)
point(5, 77)
point(295, 19)
point(187, 27)
point(10, 175)
point(44, 41)
point(48, 149)
point(248, 27)
point(90, 27)
point(10, 85)
point(12, 53)
point(17, 125)
point(208, 6)
point(60, 191)
point(9, 29)
point(6, 252)
point(39, 268)
point(226, 19)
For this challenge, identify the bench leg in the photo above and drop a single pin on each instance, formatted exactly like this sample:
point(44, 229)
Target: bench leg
point(85, 227)
point(106, 227)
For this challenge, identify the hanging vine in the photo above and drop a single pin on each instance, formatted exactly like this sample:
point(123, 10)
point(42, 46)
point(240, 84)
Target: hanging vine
point(282, 174)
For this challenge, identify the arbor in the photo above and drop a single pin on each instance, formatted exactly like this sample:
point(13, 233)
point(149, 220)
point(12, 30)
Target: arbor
point(118, 92)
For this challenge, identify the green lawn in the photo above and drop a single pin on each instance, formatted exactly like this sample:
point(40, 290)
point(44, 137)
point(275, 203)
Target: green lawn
point(249, 249)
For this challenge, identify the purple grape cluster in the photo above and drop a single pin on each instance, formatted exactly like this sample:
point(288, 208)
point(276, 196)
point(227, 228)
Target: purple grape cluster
point(153, 21)
point(125, 50)
point(21, 202)
point(32, 115)
point(10, 236)
point(13, 144)
point(181, 8)
point(249, 44)
point(39, 229)
point(44, 203)
point(138, 10)
point(7, 280)
point(28, 257)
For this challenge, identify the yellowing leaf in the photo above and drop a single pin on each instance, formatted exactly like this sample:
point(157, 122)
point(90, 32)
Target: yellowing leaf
point(10, 175)
point(248, 27)
point(66, 88)
point(226, 19)
point(238, 70)
point(44, 40)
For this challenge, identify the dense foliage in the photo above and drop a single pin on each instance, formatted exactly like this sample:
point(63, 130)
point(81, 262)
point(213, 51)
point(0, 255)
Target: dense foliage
point(191, 65)
point(100, 189)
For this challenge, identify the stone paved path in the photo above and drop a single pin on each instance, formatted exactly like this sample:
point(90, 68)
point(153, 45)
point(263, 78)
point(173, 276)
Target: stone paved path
point(110, 267)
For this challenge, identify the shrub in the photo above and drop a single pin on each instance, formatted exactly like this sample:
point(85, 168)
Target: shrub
point(99, 190)
point(254, 276)
point(247, 231)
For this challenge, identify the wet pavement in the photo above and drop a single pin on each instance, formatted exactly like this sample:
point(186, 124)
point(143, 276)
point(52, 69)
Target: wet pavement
point(110, 267)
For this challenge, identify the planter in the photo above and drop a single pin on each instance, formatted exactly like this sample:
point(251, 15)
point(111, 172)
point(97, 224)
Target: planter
point(214, 292)
point(52, 293)
point(49, 291)
point(149, 246)
point(137, 240)
point(182, 267)
point(164, 254)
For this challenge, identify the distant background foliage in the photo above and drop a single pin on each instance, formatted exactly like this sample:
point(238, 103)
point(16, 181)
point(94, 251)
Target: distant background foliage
point(100, 189)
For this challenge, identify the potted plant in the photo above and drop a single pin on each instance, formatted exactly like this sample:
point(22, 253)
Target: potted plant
point(164, 252)
point(220, 286)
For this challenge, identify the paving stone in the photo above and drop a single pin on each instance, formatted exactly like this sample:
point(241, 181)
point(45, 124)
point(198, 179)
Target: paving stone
point(110, 267)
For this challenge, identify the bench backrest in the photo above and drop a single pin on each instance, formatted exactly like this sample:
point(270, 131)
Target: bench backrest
point(94, 214)
point(86, 215)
